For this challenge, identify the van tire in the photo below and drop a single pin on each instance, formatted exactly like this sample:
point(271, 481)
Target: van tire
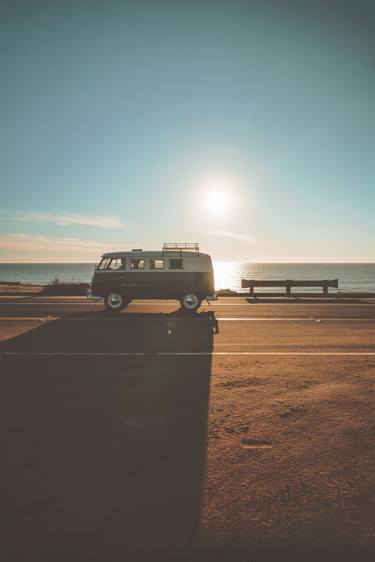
point(115, 302)
point(190, 302)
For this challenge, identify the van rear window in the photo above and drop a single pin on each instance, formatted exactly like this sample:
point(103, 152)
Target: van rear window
point(157, 264)
point(175, 263)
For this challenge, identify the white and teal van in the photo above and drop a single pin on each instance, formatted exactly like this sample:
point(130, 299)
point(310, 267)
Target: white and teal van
point(178, 271)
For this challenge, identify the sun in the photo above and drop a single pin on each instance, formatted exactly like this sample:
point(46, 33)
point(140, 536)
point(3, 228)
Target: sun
point(215, 195)
point(217, 203)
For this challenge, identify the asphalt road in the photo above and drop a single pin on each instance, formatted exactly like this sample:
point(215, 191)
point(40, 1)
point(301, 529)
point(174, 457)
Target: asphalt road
point(240, 327)
point(245, 431)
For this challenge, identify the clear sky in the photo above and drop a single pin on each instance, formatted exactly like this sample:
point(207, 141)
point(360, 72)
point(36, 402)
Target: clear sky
point(248, 126)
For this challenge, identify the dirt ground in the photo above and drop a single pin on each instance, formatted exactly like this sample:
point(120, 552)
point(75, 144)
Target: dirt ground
point(242, 433)
point(18, 289)
point(13, 289)
point(297, 436)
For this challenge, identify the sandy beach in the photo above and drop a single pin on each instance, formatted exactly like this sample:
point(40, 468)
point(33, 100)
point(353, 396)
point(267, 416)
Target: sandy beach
point(242, 433)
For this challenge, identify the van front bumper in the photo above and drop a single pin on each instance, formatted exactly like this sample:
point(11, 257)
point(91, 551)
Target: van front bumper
point(92, 297)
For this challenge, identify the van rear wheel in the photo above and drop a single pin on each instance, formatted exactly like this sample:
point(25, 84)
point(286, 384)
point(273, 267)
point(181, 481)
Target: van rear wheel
point(116, 302)
point(190, 302)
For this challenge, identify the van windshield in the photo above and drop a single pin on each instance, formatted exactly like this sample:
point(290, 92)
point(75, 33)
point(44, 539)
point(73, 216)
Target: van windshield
point(103, 263)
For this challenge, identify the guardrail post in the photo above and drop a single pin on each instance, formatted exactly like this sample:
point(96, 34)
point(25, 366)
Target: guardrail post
point(288, 284)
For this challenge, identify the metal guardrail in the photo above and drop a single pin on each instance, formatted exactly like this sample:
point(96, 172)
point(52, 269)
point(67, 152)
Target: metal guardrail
point(289, 283)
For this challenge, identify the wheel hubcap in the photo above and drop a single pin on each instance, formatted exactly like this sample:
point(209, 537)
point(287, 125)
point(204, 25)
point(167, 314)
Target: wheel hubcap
point(190, 301)
point(114, 300)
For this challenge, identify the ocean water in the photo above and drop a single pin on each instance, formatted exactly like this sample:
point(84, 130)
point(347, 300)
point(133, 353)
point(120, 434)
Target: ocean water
point(351, 276)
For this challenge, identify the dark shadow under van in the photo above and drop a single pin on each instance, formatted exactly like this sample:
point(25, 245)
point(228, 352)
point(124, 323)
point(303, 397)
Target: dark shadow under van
point(104, 442)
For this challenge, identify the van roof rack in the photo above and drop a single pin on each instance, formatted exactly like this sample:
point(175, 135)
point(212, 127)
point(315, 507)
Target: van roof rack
point(180, 247)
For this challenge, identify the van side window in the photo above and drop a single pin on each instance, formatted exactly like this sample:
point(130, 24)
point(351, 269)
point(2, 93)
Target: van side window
point(137, 263)
point(115, 263)
point(157, 264)
point(175, 263)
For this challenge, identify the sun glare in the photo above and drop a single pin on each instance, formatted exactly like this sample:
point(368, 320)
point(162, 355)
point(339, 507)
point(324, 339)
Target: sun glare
point(217, 203)
point(216, 196)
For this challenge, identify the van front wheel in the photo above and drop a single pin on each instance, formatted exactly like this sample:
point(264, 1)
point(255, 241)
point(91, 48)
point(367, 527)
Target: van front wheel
point(190, 302)
point(116, 302)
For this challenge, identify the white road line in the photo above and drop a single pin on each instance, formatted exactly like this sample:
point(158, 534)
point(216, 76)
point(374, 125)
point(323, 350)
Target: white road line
point(292, 319)
point(32, 318)
point(102, 305)
point(50, 303)
point(122, 318)
point(213, 306)
point(242, 297)
point(189, 354)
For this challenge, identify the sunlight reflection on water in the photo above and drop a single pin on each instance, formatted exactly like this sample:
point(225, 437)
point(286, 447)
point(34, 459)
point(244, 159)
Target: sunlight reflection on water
point(357, 277)
point(228, 275)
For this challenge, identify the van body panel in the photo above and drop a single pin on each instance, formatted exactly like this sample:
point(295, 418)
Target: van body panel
point(153, 284)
